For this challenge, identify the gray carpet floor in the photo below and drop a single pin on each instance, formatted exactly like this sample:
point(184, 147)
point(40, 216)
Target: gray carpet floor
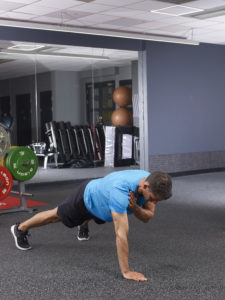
point(181, 251)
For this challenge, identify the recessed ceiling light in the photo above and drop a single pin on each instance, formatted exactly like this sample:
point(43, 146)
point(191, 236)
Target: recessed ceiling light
point(26, 47)
point(176, 10)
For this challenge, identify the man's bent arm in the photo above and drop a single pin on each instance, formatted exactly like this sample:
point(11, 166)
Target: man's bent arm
point(144, 214)
point(121, 230)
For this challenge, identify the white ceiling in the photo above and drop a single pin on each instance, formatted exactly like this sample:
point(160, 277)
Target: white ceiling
point(123, 16)
point(174, 19)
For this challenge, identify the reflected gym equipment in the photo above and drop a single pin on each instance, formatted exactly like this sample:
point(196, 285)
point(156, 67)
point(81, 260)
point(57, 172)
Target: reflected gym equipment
point(41, 151)
point(119, 146)
point(4, 142)
point(76, 146)
point(122, 117)
point(122, 96)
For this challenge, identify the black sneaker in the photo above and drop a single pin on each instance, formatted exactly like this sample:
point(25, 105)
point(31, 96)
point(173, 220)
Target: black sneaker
point(20, 238)
point(83, 233)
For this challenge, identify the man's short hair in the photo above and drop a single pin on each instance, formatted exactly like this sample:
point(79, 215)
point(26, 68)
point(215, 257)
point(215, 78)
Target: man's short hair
point(160, 184)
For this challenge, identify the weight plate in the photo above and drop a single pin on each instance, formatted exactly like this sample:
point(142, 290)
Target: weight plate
point(22, 163)
point(6, 182)
point(4, 141)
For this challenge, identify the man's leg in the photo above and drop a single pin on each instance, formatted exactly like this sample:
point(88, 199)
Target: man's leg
point(20, 231)
point(83, 232)
point(40, 219)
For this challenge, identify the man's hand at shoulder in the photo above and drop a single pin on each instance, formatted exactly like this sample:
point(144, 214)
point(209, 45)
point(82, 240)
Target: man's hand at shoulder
point(145, 213)
point(132, 201)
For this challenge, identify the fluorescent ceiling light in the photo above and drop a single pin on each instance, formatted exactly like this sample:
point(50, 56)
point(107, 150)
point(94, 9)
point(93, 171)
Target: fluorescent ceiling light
point(99, 32)
point(61, 55)
point(176, 10)
point(26, 47)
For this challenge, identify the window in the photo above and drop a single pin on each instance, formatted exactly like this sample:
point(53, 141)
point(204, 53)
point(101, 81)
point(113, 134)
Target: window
point(100, 104)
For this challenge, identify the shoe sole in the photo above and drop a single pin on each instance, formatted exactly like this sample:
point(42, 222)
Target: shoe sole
point(15, 238)
point(82, 239)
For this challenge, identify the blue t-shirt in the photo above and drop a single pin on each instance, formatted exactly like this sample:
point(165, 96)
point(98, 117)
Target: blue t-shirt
point(112, 193)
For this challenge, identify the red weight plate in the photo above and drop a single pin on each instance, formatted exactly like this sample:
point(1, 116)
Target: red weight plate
point(6, 182)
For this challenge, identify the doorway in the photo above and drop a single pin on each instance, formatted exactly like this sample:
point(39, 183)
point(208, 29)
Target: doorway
point(101, 107)
point(23, 120)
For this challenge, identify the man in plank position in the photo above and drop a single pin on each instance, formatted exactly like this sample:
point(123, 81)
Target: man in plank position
point(106, 199)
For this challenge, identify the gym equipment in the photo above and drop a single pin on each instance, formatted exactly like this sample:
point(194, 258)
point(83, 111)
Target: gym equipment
point(122, 96)
point(22, 163)
point(100, 133)
point(119, 145)
point(136, 145)
point(6, 121)
point(41, 151)
point(64, 141)
point(73, 143)
point(6, 183)
point(77, 146)
point(110, 132)
point(122, 117)
point(4, 142)
point(91, 142)
point(124, 147)
point(23, 204)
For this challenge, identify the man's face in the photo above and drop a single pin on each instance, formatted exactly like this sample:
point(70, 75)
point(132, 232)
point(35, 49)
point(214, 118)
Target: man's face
point(148, 195)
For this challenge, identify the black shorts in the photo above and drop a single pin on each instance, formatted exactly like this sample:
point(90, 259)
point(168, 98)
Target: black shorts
point(73, 212)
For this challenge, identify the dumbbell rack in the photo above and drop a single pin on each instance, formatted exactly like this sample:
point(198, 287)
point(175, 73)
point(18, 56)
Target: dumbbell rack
point(22, 195)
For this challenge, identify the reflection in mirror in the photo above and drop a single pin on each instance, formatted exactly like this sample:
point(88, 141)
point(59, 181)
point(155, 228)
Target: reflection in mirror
point(63, 97)
point(17, 91)
point(111, 86)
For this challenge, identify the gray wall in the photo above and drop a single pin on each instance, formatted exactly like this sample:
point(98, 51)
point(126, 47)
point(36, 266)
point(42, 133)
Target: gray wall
point(67, 101)
point(186, 105)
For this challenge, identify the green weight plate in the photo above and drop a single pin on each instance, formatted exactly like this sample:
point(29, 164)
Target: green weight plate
point(22, 163)
point(4, 142)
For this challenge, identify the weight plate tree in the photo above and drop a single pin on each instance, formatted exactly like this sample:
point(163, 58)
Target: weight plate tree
point(22, 163)
point(4, 142)
point(6, 183)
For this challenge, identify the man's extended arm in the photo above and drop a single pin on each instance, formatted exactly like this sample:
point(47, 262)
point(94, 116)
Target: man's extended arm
point(144, 214)
point(121, 230)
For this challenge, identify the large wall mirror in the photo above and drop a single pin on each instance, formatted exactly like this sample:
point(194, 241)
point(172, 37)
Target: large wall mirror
point(62, 97)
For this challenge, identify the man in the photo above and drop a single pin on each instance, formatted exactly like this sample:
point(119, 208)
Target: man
point(111, 198)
